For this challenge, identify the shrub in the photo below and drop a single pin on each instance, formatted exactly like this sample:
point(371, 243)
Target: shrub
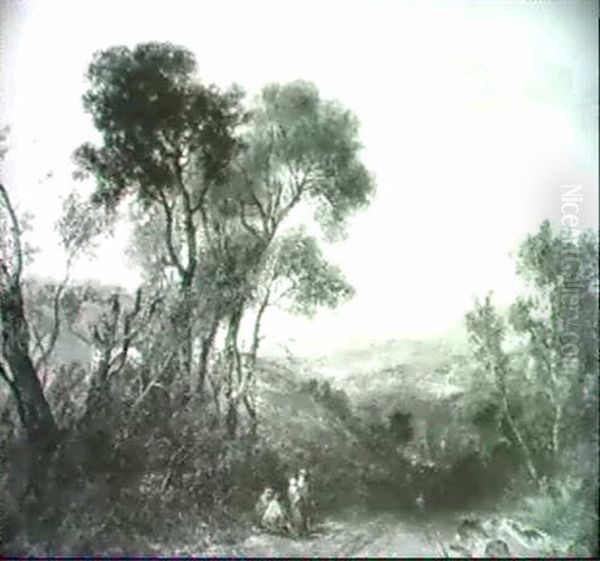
point(401, 428)
point(567, 512)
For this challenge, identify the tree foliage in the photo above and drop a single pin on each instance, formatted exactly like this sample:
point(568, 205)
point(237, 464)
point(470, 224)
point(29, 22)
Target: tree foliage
point(156, 120)
point(544, 378)
point(302, 147)
point(300, 275)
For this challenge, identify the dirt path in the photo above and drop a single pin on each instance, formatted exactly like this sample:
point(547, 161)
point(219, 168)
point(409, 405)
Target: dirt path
point(352, 535)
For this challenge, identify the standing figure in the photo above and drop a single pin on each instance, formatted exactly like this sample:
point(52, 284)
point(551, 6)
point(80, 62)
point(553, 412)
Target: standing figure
point(294, 499)
point(306, 502)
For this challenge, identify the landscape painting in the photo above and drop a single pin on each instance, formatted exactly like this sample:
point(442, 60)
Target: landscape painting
point(299, 279)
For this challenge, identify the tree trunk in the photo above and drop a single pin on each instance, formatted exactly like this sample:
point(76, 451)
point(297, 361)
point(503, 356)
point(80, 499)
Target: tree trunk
point(531, 469)
point(34, 411)
point(185, 362)
point(97, 403)
point(500, 378)
point(207, 345)
point(556, 429)
point(252, 413)
point(17, 368)
point(180, 374)
point(231, 421)
point(234, 368)
point(256, 334)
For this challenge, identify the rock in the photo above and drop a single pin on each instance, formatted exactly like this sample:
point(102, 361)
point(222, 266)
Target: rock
point(499, 538)
point(459, 550)
point(472, 529)
point(523, 541)
point(497, 548)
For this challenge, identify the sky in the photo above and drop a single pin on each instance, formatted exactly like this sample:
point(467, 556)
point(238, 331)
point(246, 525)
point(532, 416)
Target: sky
point(473, 116)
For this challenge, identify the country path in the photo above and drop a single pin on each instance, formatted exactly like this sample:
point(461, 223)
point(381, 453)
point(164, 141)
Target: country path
point(346, 535)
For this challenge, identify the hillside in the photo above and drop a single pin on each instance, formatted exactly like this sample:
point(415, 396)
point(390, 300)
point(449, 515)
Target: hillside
point(291, 416)
point(421, 377)
point(304, 432)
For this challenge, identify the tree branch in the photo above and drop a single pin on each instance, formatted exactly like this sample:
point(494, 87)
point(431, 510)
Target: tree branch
point(299, 187)
point(169, 233)
point(38, 339)
point(154, 381)
point(128, 318)
point(56, 320)
point(201, 199)
point(261, 210)
point(245, 222)
point(190, 227)
point(144, 324)
point(16, 232)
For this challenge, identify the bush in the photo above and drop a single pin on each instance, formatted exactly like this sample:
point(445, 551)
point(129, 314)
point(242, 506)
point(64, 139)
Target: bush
point(567, 512)
point(335, 399)
point(401, 428)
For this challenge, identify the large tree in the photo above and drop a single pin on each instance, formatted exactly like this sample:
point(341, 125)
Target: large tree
point(543, 361)
point(487, 334)
point(558, 320)
point(222, 180)
point(301, 152)
point(167, 140)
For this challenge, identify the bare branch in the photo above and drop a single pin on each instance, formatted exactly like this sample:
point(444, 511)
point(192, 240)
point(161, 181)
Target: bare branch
point(154, 382)
point(152, 309)
point(127, 319)
point(129, 334)
point(199, 206)
point(56, 320)
point(264, 216)
point(16, 233)
point(38, 339)
point(299, 188)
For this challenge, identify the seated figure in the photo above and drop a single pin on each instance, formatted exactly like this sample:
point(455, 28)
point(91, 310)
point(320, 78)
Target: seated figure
point(262, 504)
point(273, 519)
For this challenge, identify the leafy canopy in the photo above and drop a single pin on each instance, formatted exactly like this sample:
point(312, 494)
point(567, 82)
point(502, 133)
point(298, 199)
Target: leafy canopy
point(303, 148)
point(156, 119)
